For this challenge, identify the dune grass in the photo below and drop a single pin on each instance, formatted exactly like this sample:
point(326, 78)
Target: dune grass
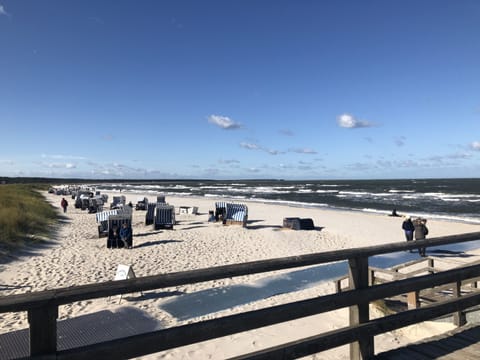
point(25, 215)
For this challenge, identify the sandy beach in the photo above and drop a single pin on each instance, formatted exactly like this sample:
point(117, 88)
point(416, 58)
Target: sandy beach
point(78, 256)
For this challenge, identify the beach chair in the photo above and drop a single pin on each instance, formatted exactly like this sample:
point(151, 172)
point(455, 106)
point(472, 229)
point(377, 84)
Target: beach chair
point(150, 215)
point(220, 210)
point(95, 204)
point(115, 222)
point(102, 220)
point(118, 202)
point(161, 199)
point(296, 223)
point(142, 204)
point(237, 214)
point(164, 216)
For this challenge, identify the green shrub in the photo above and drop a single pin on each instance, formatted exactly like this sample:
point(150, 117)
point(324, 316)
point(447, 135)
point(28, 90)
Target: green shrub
point(24, 215)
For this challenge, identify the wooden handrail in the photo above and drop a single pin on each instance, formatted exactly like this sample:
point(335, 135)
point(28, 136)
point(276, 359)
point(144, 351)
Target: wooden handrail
point(42, 306)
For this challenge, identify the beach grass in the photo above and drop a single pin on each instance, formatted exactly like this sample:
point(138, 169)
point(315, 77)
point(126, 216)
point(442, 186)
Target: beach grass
point(25, 215)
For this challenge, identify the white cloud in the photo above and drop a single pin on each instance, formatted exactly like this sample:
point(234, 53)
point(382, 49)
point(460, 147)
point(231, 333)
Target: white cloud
point(475, 145)
point(350, 122)
point(303, 151)
point(3, 11)
point(224, 122)
point(249, 146)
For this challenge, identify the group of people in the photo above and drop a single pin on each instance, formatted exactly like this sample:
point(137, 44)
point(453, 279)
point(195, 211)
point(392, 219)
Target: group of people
point(416, 228)
point(123, 235)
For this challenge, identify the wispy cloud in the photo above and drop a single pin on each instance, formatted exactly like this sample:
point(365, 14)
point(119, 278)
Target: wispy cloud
point(3, 11)
point(61, 157)
point(250, 146)
point(224, 122)
point(350, 122)
point(400, 140)
point(475, 145)
point(286, 132)
point(228, 161)
point(302, 151)
point(96, 20)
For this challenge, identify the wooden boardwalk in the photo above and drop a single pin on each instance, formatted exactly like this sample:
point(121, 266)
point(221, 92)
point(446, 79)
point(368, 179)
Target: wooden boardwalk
point(462, 343)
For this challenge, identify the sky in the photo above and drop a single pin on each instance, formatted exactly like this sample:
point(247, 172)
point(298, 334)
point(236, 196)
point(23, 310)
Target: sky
point(240, 89)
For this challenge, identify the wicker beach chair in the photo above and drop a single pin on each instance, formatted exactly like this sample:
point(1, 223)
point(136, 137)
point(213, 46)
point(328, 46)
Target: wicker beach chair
point(118, 202)
point(236, 214)
point(220, 210)
point(164, 216)
point(115, 223)
point(150, 215)
point(102, 220)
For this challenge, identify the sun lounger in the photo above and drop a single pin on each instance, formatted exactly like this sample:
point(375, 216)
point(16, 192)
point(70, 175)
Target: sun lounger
point(164, 216)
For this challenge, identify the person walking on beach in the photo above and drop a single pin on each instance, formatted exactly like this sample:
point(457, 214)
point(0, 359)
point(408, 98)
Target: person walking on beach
point(421, 231)
point(408, 228)
point(64, 204)
point(125, 233)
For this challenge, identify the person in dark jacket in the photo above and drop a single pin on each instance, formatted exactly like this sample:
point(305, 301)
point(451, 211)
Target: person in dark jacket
point(125, 233)
point(421, 231)
point(64, 204)
point(408, 228)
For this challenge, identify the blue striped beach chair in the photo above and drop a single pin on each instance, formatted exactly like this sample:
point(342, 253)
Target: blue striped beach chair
point(220, 210)
point(164, 216)
point(102, 220)
point(150, 215)
point(237, 214)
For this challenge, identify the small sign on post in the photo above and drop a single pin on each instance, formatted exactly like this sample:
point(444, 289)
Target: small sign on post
point(124, 272)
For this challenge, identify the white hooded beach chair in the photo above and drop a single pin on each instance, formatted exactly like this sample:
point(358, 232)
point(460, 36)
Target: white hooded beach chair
point(164, 216)
point(237, 214)
point(102, 220)
point(220, 210)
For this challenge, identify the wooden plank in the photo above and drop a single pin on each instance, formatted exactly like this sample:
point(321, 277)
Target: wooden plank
point(359, 313)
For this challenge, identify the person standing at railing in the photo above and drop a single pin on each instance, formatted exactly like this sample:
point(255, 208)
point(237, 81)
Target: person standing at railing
point(408, 228)
point(421, 231)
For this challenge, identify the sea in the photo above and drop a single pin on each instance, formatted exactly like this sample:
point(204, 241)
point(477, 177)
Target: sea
point(446, 199)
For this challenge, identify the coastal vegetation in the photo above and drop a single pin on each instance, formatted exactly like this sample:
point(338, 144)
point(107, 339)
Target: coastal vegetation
point(25, 216)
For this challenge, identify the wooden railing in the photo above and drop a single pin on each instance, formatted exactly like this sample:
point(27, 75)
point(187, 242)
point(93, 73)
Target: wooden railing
point(42, 307)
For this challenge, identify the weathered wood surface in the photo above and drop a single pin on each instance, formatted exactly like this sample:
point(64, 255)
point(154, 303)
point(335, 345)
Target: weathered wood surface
point(462, 343)
point(358, 299)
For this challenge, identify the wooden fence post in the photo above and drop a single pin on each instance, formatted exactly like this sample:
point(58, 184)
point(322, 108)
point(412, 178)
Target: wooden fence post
point(413, 300)
point(358, 276)
point(43, 330)
point(459, 318)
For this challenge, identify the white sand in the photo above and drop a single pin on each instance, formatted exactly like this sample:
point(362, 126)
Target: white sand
point(78, 257)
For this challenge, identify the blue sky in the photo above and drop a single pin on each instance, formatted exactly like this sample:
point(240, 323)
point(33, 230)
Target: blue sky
point(240, 89)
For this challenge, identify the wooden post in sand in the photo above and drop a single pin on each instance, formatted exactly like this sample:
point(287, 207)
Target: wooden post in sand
point(43, 330)
point(358, 278)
